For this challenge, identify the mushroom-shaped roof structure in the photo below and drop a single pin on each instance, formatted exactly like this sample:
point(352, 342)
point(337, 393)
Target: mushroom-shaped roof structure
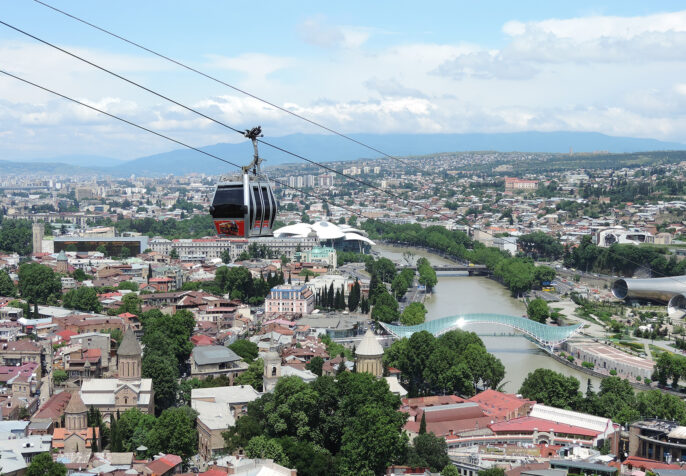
point(327, 231)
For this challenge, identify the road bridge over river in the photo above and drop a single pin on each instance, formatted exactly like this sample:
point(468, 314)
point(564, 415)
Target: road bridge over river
point(472, 269)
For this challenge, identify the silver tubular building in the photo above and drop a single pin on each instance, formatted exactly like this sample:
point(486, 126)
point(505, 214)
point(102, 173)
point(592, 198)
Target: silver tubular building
point(669, 290)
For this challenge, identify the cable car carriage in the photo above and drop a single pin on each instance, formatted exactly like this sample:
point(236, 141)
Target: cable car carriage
point(247, 208)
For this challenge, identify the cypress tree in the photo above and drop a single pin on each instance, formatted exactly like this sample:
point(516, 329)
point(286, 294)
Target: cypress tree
point(330, 297)
point(337, 300)
point(94, 444)
point(422, 425)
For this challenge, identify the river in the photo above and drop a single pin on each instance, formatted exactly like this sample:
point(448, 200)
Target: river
point(458, 293)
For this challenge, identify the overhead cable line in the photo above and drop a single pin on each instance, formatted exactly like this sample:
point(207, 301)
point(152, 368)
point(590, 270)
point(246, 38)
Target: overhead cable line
point(201, 114)
point(131, 123)
point(228, 85)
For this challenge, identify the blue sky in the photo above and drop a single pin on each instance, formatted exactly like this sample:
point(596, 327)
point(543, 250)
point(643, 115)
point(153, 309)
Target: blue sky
point(387, 66)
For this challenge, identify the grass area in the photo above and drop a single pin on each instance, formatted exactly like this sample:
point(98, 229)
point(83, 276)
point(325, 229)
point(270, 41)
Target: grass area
point(635, 346)
point(656, 351)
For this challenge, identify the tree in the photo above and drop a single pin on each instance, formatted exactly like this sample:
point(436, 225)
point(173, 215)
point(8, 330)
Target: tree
point(538, 310)
point(552, 388)
point(422, 424)
point(79, 275)
point(427, 275)
point(43, 465)
point(82, 299)
point(245, 349)
point(134, 428)
point(661, 405)
point(373, 440)
point(125, 252)
point(130, 303)
point(492, 472)
point(225, 256)
point(128, 286)
point(7, 288)
point(16, 236)
point(450, 470)
point(38, 283)
point(263, 447)
point(59, 376)
point(101, 249)
point(385, 307)
point(540, 245)
point(413, 314)
point(252, 376)
point(354, 297)
point(174, 432)
point(164, 374)
point(315, 365)
point(429, 450)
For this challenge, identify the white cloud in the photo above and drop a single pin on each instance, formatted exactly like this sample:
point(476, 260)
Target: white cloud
point(252, 64)
point(318, 31)
point(620, 76)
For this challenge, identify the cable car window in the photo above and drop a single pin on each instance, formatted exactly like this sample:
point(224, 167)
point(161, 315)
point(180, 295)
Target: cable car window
point(268, 207)
point(259, 208)
point(228, 202)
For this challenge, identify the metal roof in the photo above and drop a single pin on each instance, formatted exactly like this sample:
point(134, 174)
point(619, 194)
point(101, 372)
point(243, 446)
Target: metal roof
point(214, 354)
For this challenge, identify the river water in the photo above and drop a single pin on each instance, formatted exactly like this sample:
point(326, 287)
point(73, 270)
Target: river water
point(458, 293)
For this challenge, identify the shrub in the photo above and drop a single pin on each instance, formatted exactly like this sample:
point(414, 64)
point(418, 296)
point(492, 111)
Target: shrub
point(613, 372)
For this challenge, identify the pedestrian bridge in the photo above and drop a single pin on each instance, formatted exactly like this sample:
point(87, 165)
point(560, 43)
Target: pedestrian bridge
point(544, 335)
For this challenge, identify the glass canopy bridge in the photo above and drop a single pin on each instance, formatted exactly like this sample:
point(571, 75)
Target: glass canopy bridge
point(545, 336)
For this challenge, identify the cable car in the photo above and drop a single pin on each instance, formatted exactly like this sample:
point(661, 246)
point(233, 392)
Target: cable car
point(246, 208)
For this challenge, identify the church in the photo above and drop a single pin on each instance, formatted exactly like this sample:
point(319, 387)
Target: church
point(76, 436)
point(129, 390)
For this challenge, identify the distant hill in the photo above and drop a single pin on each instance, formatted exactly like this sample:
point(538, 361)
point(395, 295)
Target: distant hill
point(41, 168)
point(328, 148)
point(80, 160)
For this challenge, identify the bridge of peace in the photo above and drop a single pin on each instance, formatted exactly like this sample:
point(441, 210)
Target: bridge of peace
point(545, 336)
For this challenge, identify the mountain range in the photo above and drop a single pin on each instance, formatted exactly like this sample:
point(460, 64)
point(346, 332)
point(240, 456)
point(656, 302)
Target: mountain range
point(328, 148)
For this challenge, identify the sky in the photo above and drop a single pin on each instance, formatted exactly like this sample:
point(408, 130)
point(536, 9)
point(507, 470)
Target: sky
point(615, 67)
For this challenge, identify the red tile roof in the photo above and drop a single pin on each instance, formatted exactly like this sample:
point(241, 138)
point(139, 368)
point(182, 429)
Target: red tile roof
point(647, 464)
point(529, 424)
point(499, 404)
point(54, 407)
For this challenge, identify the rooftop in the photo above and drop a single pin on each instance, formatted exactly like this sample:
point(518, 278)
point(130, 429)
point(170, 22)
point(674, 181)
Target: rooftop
point(214, 354)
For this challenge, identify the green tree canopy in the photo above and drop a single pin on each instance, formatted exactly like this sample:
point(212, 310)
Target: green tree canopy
point(7, 287)
point(539, 245)
point(83, 299)
point(413, 314)
point(552, 388)
point(428, 450)
point(538, 310)
point(455, 362)
point(16, 236)
point(39, 283)
point(245, 349)
point(43, 465)
point(175, 433)
point(315, 365)
point(350, 422)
